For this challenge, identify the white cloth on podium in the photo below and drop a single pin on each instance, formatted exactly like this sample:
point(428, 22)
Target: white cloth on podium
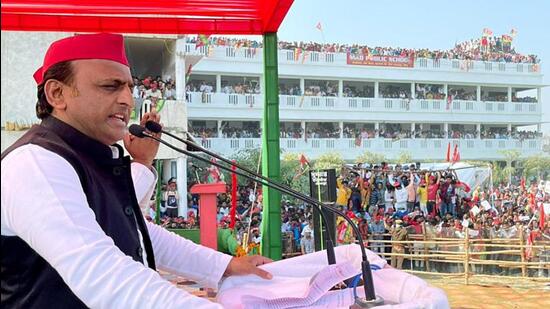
point(304, 282)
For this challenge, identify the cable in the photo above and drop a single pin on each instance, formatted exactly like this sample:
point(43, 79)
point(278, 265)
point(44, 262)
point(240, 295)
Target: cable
point(358, 277)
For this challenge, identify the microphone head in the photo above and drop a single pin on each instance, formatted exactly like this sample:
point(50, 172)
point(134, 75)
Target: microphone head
point(137, 130)
point(154, 127)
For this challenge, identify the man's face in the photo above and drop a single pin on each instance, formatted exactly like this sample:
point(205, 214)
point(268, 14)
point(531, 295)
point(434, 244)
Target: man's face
point(100, 100)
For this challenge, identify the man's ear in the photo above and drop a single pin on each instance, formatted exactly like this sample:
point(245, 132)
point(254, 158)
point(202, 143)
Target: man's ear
point(56, 93)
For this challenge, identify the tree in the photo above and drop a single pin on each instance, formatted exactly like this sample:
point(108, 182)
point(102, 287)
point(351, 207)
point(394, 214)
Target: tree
point(536, 166)
point(404, 157)
point(329, 160)
point(370, 157)
point(248, 158)
point(292, 174)
point(510, 156)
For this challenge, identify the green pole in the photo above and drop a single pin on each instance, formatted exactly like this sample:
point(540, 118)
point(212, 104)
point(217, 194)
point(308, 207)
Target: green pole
point(159, 187)
point(271, 224)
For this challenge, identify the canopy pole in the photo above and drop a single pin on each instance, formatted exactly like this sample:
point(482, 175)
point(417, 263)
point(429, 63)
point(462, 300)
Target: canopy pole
point(271, 244)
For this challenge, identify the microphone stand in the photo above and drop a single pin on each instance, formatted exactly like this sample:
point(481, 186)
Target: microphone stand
point(370, 300)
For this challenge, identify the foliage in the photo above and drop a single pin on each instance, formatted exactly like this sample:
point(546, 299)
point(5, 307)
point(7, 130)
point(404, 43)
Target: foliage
point(370, 157)
point(329, 160)
point(510, 156)
point(292, 174)
point(404, 157)
point(536, 166)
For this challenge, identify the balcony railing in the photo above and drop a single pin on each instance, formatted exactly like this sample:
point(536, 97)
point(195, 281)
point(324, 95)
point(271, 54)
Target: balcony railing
point(361, 104)
point(351, 148)
point(324, 58)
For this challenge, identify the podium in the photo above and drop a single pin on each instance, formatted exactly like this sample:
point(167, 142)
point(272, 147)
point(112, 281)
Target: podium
point(208, 211)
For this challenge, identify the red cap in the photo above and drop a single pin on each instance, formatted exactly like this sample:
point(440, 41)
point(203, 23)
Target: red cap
point(85, 46)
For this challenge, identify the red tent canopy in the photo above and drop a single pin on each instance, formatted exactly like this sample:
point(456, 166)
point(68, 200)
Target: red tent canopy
point(136, 16)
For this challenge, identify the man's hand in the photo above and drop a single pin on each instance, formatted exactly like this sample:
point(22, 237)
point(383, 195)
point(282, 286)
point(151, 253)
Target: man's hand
point(143, 150)
point(246, 265)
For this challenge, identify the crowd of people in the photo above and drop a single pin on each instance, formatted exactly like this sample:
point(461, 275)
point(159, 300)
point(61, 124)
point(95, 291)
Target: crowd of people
point(368, 133)
point(395, 201)
point(232, 132)
point(327, 89)
point(154, 89)
point(462, 94)
point(429, 92)
point(289, 90)
point(242, 88)
point(395, 92)
point(482, 49)
point(291, 132)
point(389, 202)
point(202, 132)
point(323, 132)
point(358, 92)
point(200, 86)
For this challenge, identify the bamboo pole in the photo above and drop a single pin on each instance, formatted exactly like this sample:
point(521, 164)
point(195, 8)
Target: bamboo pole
point(467, 255)
point(426, 259)
point(522, 250)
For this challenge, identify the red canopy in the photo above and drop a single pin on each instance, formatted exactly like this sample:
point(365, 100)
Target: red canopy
point(136, 16)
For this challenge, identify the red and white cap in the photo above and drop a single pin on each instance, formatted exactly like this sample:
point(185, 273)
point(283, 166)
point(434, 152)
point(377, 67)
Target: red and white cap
point(106, 46)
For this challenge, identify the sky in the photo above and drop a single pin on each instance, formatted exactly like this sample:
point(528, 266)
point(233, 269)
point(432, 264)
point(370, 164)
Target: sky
point(425, 24)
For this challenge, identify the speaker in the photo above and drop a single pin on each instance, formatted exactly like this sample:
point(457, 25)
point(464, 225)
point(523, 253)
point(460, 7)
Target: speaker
point(322, 185)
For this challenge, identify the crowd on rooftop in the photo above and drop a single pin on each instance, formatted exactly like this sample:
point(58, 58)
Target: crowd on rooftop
point(480, 49)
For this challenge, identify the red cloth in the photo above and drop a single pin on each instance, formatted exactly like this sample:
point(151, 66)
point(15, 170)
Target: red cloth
point(448, 158)
point(233, 196)
point(542, 216)
point(85, 46)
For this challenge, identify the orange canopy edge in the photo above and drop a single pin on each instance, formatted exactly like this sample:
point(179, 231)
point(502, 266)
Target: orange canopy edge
point(244, 17)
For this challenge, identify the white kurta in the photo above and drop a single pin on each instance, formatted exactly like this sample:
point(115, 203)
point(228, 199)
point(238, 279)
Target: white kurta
point(43, 203)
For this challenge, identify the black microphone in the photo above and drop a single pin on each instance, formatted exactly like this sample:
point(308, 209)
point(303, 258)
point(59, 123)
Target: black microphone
point(153, 126)
point(137, 130)
point(371, 299)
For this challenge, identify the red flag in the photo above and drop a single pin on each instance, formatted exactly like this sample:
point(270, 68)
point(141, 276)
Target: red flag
point(202, 40)
point(542, 216)
point(303, 161)
point(188, 73)
point(456, 154)
point(449, 101)
point(448, 158)
point(319, 26)
point(522, 183)
point(233, 196)
point(358, 141)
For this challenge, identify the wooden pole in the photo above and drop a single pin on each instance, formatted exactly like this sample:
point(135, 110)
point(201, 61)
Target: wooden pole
point(466, 255)
point(521, 242)
point(426, 259)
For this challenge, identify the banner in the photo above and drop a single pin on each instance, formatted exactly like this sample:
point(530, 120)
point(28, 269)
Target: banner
point(384, 61)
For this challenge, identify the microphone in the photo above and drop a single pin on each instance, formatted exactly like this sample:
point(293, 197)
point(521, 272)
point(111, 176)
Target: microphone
point(137, 131)
point(370, 299)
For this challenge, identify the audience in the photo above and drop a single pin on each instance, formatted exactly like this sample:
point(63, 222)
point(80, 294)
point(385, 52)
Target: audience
point(487, 49)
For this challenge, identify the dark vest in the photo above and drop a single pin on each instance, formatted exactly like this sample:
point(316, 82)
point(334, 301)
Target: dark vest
point(28, 281)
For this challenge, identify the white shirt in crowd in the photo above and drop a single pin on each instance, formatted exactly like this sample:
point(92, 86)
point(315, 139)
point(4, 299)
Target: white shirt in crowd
point(57, 222)
point(153, 94)
point(401, 198)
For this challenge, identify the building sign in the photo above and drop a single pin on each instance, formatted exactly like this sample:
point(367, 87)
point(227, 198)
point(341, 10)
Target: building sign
point(381, 61)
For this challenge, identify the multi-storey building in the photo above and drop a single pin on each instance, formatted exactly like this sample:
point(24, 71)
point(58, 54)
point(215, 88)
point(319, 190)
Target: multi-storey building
point(486, 97)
